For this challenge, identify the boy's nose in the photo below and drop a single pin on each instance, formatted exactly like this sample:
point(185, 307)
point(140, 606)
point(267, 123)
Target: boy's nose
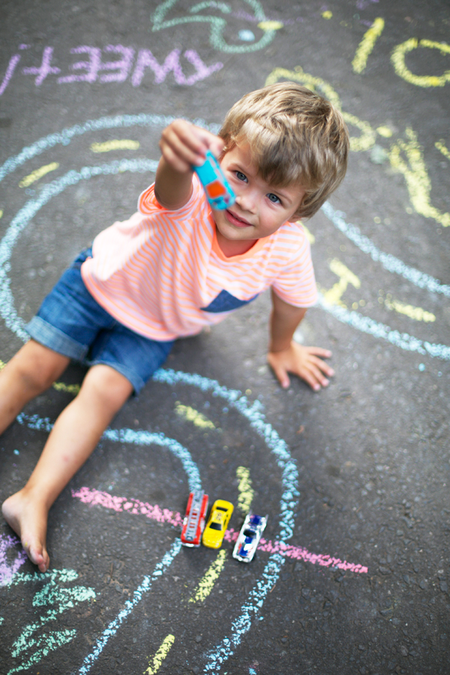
point(247, 201)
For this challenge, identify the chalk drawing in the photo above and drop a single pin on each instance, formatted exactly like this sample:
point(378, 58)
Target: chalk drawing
point(346, 277)
point(192, 415)
point(39, 173)
point(138, 594)
point(289, 499)
point(44, 69)
point(248, 613)
point(388, 261)
point(270, 25)
point(246, 35)
point(93, 66)
point(416, 176)
point(160, 655)
point(69, 388)
point(398, 61)
point(381, 331)
point(210, 577)
point(246, 492)
point(442, 148)
point(133, 506)
point(14, 60)
point(118, 144)
point(217, 24)
point(146, 59)
point(130, 505)
point(10, 560)
point(59, 600)
point(366, 45)
point(414, 313)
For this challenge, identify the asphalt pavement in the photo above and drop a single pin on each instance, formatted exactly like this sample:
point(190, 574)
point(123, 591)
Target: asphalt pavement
point(353, 574)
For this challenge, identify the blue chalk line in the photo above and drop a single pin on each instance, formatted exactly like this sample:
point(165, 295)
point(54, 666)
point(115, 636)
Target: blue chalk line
point(388, 261)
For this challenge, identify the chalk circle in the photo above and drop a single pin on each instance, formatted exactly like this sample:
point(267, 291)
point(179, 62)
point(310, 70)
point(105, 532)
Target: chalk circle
point(252, 413)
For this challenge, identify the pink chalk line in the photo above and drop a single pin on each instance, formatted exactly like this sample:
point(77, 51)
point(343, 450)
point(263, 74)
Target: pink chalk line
point(135, 506)
point(9, 562)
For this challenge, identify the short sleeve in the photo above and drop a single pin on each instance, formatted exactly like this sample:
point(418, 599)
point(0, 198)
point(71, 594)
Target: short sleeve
point(296, 282)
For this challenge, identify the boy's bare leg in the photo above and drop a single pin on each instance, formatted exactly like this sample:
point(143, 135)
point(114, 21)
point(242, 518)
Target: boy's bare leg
point(73, 438)
point(30, 372)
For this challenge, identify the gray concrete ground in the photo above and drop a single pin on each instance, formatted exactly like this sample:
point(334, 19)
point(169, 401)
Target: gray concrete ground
point(353, 577)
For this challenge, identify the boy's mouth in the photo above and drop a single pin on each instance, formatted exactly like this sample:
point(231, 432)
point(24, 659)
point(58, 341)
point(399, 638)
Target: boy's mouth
point(236, 220)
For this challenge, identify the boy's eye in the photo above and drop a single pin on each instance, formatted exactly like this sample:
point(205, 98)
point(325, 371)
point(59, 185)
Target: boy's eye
point(241, 176)
point(273, 198)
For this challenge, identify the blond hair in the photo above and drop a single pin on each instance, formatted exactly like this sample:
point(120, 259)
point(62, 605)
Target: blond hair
point(295, 136)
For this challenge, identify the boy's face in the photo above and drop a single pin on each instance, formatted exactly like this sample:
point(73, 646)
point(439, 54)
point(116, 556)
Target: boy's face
point(260, 208)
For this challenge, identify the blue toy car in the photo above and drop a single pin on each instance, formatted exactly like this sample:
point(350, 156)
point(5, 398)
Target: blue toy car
point(249, 536)
point(218, 191)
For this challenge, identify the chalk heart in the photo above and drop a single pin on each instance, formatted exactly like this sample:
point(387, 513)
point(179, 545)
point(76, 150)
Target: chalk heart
point(164, 18)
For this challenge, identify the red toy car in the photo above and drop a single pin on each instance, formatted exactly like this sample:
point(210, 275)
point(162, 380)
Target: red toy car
point(194, 520)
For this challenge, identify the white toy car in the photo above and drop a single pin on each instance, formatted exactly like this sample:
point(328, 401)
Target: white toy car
point(249, 536)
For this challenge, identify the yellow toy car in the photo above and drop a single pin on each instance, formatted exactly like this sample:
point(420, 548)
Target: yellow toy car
point(217, 523)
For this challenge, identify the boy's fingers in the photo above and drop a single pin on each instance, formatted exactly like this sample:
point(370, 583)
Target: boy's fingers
point(322, 366)
point(280, 373)
point(174, 159)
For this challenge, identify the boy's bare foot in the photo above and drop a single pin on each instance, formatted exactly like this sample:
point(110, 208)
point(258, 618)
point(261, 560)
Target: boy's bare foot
point(28, 519)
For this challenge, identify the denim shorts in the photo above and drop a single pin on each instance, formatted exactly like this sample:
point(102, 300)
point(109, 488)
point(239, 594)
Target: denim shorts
point(71, 322)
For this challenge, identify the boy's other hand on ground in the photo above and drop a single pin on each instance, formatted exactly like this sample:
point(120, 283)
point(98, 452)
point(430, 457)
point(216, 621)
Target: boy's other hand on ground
point(183, 145)
point(303, 362)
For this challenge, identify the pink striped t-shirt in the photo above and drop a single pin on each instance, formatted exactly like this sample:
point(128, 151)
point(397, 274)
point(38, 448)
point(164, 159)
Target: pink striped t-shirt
point(162, 273)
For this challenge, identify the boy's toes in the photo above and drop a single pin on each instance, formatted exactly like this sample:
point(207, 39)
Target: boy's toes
point(38, 556)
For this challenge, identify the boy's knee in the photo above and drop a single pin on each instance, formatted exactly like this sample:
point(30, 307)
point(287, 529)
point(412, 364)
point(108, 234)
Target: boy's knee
point(107, 385)
point(37, 366)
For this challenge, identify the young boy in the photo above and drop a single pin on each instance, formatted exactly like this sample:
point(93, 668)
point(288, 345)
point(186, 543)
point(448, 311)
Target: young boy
point(175, 267)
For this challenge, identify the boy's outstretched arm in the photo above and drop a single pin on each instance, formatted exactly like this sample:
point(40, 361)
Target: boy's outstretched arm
point(182, 145)
point(287, 356)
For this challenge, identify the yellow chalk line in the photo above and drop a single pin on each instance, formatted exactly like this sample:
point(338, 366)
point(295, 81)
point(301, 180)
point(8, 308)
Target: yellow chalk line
point(309, 235)
point(206, 583)
point(160, 655)
point(398, 61)
point(59, 386)
point(442, 148)
point(416, 176)
point(366, 45)
point(270, 25)
point(35, 175)
point(415, 313)
point(69, 388)
point(124, 144)
point(246, 492)
point(334, 294)
point(192, 415)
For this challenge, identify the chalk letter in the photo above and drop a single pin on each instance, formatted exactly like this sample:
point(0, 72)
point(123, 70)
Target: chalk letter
point(146, 59)
point(202, 70)
point(44, 69)
point(92, 66)
point(14, 60)
point(122, 66)
point(398, 61)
